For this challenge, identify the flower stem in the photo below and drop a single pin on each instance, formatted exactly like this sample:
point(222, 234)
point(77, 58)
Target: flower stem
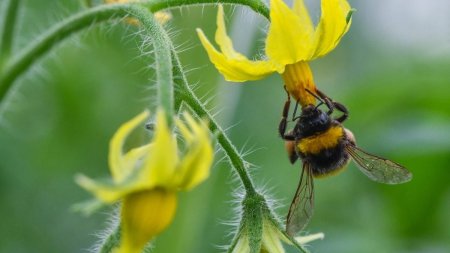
point(184, 93)
point(256, 5)
point(24, 59)
point(162, 59)
point(9, 23)
point(112, 241)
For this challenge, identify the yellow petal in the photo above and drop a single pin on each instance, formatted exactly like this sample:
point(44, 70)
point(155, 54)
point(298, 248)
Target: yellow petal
point(197, 128)
point(300, 9)
point(184, 130)
point(271, 238)
point(309, 238)
point(195, 166)
point(236, 69)
point(160, 163)
point(222, 39)
point(134, 159)
point(242, 245)
point(332, 26)
point(118, 166)
point(290, 37)
point(106, 192)
point(145, 214)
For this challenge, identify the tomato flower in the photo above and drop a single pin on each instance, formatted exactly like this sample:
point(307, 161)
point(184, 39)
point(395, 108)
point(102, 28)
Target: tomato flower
point(147, 178)
point(292, 41)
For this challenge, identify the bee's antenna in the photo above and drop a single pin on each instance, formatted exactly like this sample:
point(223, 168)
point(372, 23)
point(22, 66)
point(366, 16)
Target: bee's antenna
point(321, 103)
point(315, 95)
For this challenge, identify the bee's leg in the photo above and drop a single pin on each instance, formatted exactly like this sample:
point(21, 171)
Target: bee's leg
point(283, 122)
point(340, 107)
point(328, 101)
point(334, 105)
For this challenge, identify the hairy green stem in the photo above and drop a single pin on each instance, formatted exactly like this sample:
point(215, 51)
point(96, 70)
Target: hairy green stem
point(24, 59)
point(162, 59)
point(186, 94)
point(62, 30)
point(111, 242)
point(9, 23)
point(256, 5)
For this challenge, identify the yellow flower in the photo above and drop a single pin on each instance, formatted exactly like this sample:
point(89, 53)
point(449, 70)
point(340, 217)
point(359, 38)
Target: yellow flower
point(292, 41)
point(161, 16)
point(146, 178)
point(271, 239)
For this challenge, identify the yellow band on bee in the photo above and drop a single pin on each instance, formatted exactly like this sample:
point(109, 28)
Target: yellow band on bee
point(316, 143)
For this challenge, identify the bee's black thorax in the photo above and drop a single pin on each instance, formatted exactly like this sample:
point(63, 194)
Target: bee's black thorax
point(320, 141)
point(311, 122)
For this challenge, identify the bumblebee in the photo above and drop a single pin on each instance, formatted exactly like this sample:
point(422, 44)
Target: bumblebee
point(325, 147)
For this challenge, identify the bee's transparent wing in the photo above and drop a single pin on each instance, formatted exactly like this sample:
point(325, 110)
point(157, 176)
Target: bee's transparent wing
point(302, 205)
point(379, 169)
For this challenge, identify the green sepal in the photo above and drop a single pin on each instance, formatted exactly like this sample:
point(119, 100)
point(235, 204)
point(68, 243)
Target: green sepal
point(253, 206)
point(349, 15)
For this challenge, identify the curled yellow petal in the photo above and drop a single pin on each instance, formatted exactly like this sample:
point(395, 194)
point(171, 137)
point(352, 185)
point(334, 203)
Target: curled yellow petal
point(195, 166)
point(134, 158)
point(106, 192)
point(222, 39)
point(161, 162)
point(309, 238)
point(144, 215)
point(289, 39)
point(236, 70)
point(333, 24)
point(118, 166)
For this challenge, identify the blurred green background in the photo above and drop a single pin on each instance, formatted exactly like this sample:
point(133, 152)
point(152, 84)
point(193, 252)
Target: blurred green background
point(392, 70)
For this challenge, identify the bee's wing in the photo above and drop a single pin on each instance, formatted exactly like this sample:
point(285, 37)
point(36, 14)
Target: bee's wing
point(378, 169)
point(302, 205)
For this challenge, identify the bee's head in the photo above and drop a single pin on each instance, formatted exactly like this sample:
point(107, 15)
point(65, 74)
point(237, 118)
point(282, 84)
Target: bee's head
point(312, 121)
point(310, 111)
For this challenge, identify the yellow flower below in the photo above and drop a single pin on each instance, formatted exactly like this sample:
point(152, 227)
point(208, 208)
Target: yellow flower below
point(271, 240)
point(291, 42)
point(147, 178)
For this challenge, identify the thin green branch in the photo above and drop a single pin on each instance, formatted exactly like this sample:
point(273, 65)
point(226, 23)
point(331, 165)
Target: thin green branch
point(256, 5)
point(162, 59)
point(112, 241)
point(9, 23)
point(59, 32)
point(184, 92)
